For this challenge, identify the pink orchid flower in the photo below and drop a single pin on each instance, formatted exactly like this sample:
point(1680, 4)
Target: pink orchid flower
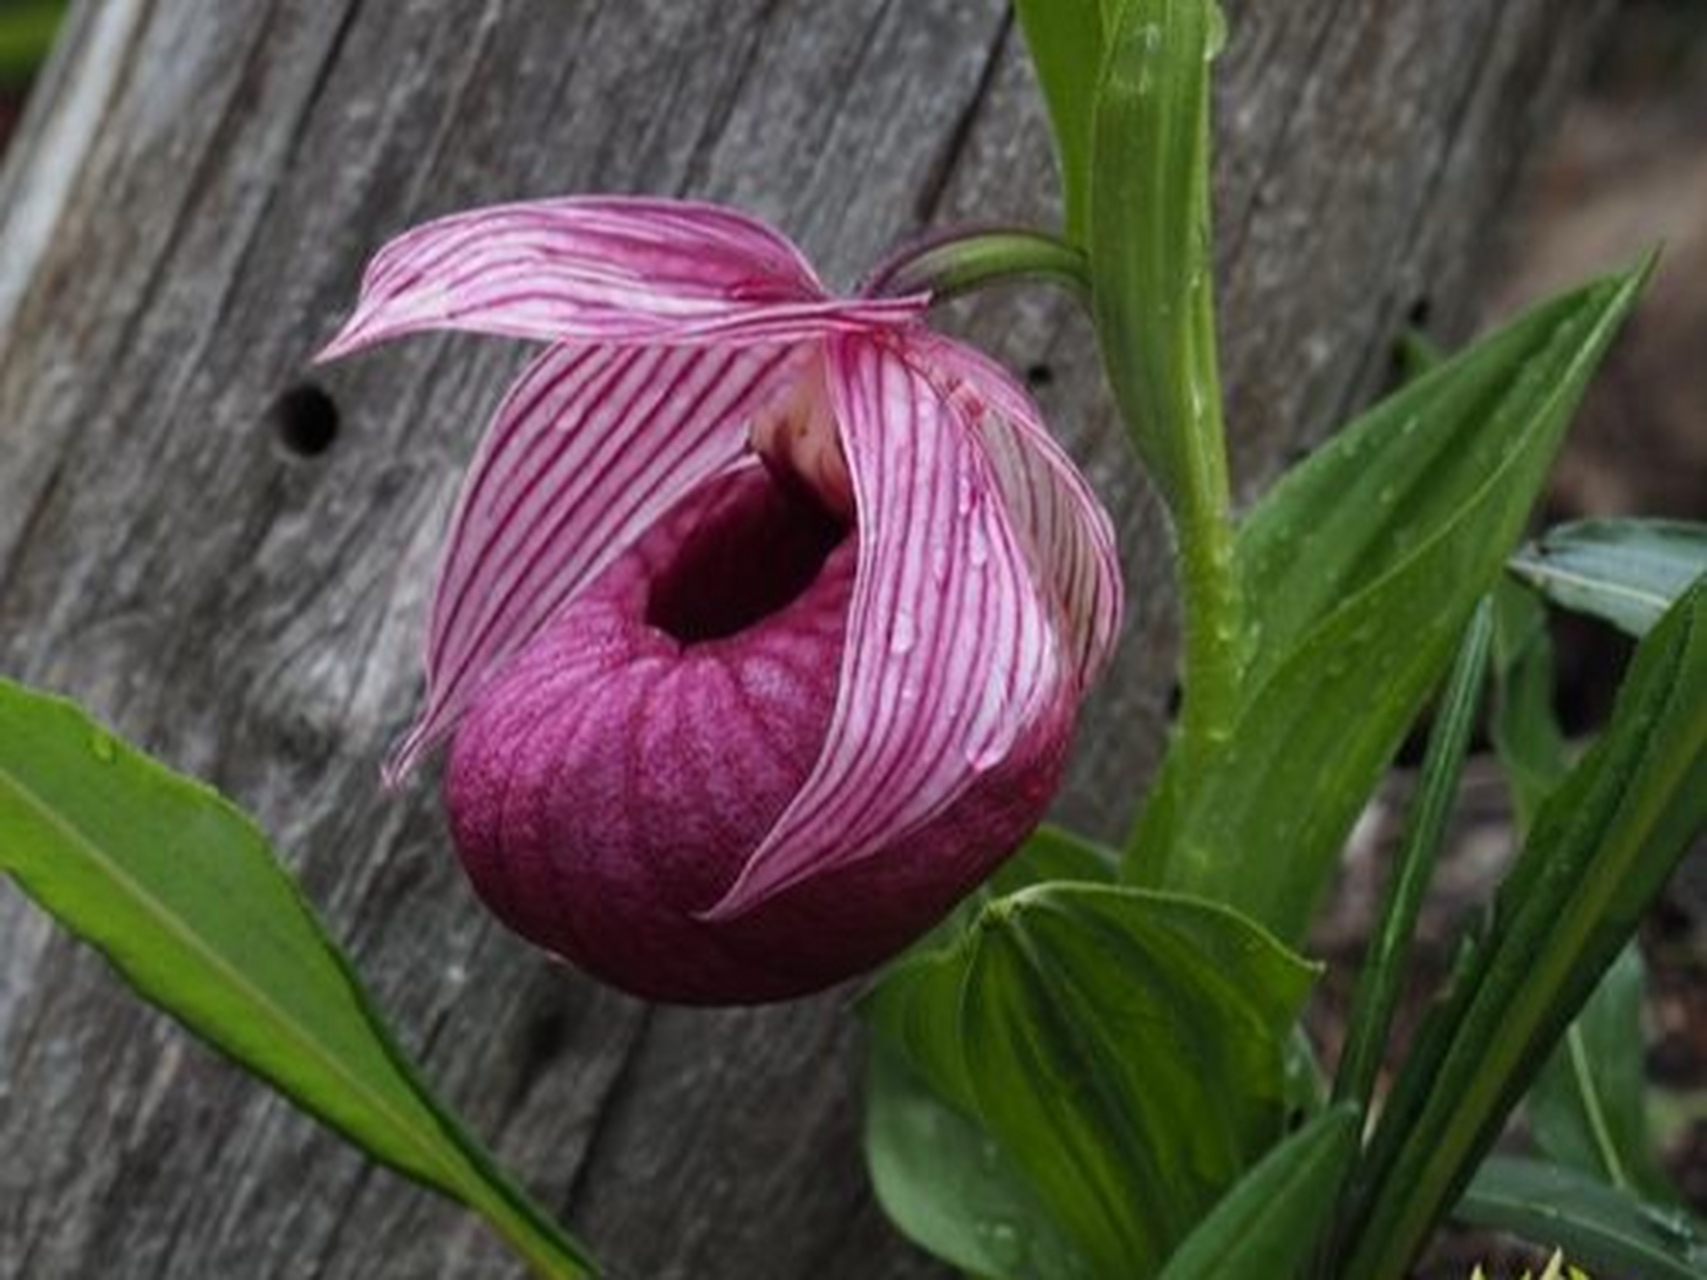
point(765, 614)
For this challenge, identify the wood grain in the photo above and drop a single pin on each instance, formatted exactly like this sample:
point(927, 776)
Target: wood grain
point(184, 218)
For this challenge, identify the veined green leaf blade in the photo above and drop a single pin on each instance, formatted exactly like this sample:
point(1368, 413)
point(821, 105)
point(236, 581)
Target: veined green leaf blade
point(1596, 1224)
point(1626, 572)
point(1357, 599)
point(1065, 38)
point(1374, 496)
point(1266, 1226)
point(1127, 1049)
point(179, 890)
point(1600, 849)
point(950, 1187)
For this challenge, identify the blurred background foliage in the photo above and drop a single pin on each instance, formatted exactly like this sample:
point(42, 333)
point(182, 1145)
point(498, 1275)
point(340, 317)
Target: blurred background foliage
point(26, 33)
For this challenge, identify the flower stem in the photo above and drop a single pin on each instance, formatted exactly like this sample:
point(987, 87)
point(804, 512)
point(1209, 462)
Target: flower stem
point(959, 262)
point(1209, 586)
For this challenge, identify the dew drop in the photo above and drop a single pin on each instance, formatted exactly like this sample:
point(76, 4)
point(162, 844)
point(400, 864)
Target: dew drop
point(101, 745)
point(1217, 40)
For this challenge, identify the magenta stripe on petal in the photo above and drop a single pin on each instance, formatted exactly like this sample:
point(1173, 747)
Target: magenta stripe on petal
point(603, 270)
point(587, 451)
point(953, 650)
point(1066, 525)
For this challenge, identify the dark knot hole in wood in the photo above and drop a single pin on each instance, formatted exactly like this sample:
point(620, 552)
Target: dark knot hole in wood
point(305, 420)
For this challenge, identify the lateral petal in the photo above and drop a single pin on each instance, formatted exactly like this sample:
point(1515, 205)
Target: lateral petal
point(1049, 499)
point(589, 448)
point(602, 269)
point(952, 650)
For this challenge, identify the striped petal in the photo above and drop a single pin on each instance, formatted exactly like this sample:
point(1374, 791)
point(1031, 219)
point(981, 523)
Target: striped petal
point(1071, 536)
point(590, 447)
point(604, 270)
point(952, 650)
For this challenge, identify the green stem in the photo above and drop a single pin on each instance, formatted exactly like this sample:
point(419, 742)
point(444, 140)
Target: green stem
point(959, 263)
point(1209, 586)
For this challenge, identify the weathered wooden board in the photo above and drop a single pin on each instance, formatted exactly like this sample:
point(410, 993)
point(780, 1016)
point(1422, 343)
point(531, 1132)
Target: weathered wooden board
point(182, 220)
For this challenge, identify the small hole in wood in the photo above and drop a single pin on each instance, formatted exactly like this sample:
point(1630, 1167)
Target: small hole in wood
point(1176, 696)
point(1420, 312)
point(1039, 375)
point(305, 420)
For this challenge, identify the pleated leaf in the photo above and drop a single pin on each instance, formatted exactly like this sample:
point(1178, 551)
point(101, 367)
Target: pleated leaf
point(1125, 1049)
point(950, 1187)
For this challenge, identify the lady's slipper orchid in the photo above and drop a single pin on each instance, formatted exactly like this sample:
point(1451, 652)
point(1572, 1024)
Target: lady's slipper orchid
point(765, 614)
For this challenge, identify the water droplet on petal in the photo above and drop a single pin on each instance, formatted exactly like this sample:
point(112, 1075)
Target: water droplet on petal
point(903, 633)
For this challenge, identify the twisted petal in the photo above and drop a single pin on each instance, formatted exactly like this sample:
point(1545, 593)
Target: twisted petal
point(952, 650)
point(591, 446)
point(1069, 531)
point(606, 270)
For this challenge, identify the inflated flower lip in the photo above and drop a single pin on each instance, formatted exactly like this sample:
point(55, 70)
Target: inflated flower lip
point(712, 744)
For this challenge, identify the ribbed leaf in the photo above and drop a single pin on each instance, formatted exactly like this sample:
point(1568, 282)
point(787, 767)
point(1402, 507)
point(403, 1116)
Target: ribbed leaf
point(1625, 571)
point(1600, 850)
point(950, 1187)
point(1267, 1225)
point(1597, 1225)
point(1361, 569)
point(180, 892)
point(1125, 1048)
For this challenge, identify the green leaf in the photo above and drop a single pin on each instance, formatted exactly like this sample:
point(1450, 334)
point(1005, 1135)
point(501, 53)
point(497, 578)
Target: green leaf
point(1586, 1108)
point(1600, 850)
point(1382, 980)
point(1626, 572)
point(1152, 278)
point(1361, 569)
point(1596, 1224)
point(179, 890)
point(950, 1187)
point(1267, 1224)
point(1050, 853)
point(1066, 42)
point(1522, 724)
point(1126, 1049)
